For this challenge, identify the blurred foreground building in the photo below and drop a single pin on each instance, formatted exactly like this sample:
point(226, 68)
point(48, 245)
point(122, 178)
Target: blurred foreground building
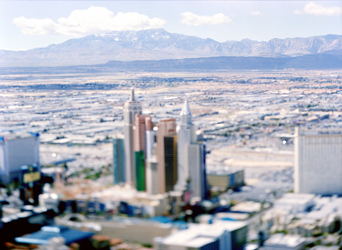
point(232, 179)
point(15, 152)
point(217, 236)
point(318, 162)
point(304, 214)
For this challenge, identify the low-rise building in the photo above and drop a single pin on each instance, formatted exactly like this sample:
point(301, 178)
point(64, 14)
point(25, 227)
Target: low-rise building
point(226, 179)
point(284, 242)
point(305, 215)
point(221, 235)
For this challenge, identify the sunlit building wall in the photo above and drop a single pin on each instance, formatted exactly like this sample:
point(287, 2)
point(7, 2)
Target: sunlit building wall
point(318, 162)
point(15, 152)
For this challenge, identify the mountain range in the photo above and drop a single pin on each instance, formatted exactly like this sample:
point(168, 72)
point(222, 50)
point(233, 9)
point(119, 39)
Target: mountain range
point(158, 44)
point(206, 64)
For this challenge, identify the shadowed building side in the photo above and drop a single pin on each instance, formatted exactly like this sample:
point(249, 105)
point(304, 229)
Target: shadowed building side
point(140, 170)
point(166, 127)
point(119, 160)
point(197, 170)
point(170, 156)
point(151, 165)
point(151, 139)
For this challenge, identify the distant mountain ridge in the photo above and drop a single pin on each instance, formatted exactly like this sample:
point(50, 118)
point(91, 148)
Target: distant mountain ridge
point(158, 44)
point(319, 61)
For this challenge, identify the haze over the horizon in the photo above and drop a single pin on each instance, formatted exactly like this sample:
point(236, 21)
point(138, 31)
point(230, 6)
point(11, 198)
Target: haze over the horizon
point(33, 24)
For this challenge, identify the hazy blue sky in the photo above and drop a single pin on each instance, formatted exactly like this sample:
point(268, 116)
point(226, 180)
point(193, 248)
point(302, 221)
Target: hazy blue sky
point(32, 24)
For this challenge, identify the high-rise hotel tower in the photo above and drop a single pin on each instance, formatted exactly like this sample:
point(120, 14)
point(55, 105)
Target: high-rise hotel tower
point(186, 135)
point(166, 172)
point(131, 108)
point(318, 162)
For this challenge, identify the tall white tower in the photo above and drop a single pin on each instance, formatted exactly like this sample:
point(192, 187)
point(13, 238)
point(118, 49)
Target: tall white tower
point(186, 135)
point(131, 108)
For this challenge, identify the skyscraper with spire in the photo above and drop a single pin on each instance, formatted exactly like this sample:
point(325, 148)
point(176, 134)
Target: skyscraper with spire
point(186, 135)
point(131, 108)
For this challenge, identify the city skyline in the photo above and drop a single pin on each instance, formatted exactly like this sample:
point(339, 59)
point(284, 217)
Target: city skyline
point(97, 132)
point(247, 161)
point(30, 24)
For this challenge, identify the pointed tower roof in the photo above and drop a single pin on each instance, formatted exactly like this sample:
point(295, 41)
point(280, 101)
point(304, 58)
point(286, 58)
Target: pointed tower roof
point(132, 95)
point(132, 104)
point(185, 109)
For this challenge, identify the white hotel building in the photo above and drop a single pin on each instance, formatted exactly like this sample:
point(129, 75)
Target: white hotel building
point(318, 162)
